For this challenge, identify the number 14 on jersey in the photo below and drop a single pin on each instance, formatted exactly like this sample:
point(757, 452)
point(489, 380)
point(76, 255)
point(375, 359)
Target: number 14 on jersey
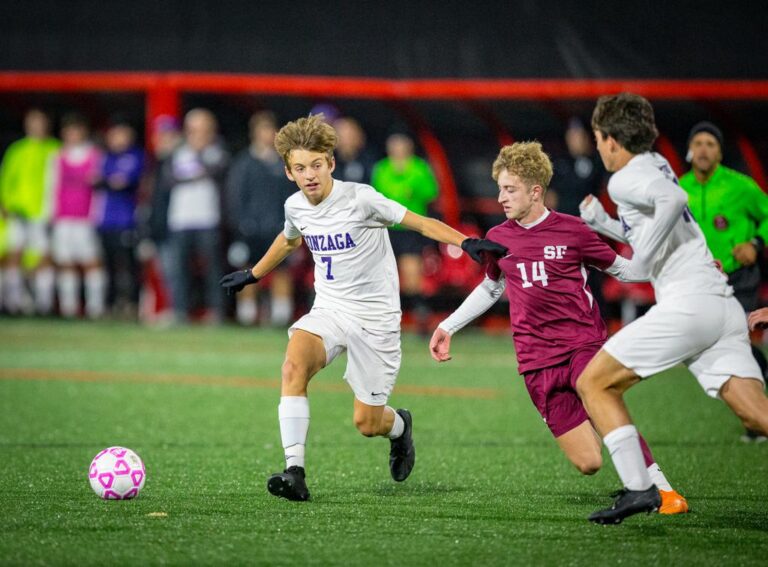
point(538, 273)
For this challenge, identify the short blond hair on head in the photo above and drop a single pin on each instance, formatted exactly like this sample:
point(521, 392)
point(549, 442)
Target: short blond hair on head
point(312, 134)
point(527, 160)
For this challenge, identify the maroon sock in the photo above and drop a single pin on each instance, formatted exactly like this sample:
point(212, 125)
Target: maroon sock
point(647, 455)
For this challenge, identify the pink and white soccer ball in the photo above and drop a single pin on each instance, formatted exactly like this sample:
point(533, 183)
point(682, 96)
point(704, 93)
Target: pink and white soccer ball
point(117, 473)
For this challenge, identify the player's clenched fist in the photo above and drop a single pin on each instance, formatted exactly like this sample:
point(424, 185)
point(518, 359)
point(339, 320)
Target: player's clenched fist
point(440, 345)
point(236, 281)
point(592, 211)
point(475, 248)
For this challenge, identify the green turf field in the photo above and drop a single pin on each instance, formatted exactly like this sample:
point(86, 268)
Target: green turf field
point(199, 405)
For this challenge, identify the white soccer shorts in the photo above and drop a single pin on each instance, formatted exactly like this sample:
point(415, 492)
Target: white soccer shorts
point(708, 333)
point(24, 234)
point(373, 356)
point(75, 242)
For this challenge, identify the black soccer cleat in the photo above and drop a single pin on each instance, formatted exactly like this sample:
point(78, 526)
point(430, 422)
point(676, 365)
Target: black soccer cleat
point(402, 453)
point(289, 484)
point(627, 503)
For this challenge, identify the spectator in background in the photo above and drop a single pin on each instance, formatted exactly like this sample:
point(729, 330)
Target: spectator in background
point(154, 250)
point(197, 170)
point(121, 173)
point(257, 187)
point(408, 180)
point(354, 160)
point(76, 246)
point(732, 211)
point(576, 175)
point(23, 200)
point(166, 137)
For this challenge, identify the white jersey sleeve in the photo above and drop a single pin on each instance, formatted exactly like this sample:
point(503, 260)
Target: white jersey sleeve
point(664, 236)
point(668, 202)
point(598, 220)
point(625, 271)
point(290, 231)
point(379, 208)
point(478, 302)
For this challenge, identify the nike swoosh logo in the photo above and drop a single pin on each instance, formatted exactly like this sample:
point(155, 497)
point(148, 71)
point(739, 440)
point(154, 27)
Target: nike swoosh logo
point(302, 228)
point(377, 393)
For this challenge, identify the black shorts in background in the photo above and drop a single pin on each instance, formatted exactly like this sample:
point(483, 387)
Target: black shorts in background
point(407, 242)
point(746, 285)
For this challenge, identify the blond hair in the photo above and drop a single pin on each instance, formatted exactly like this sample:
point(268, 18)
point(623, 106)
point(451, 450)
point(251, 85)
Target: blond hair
point(527, 160)
point(311, 133)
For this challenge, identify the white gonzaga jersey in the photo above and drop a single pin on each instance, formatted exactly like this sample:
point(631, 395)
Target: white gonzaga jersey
point(355, 268)
point(683, 264)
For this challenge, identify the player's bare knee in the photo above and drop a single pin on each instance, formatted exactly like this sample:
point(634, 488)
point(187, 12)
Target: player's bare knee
point(747, 400)
point(295, 372)
point(589, 465)
point(586, 385)
point(366, 426)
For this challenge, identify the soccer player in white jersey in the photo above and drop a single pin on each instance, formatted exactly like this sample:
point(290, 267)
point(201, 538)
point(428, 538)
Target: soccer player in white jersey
point(357, 302)
point(696, 319)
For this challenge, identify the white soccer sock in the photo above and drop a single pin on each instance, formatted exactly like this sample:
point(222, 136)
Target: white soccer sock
point(398, 427)
point(658, 478)
point(281, 309)
point(68, 283)
point(293, 413)
point(247, 311)
point(14, 292)
point(623, 444)
point(44, 289)
point(95, 292)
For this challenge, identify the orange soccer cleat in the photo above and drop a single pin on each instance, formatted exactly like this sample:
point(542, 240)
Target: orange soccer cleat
point(672, 502)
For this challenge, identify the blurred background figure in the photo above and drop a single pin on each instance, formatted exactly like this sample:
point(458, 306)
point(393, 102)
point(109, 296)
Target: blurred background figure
point(257, 188)
point(328, 109)
point(197, 170)
point(579, 173)
point(154, 249)
point(76, 169)
point(121, 173)
point(732, 211)
point(24, 203)
point(406, 178)
point(354, 159)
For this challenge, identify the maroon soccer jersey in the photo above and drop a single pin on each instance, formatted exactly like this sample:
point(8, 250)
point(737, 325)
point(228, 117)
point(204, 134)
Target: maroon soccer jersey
point(551, 309)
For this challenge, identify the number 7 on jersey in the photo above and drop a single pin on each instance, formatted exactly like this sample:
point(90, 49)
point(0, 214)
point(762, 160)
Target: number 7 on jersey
point(327, 260)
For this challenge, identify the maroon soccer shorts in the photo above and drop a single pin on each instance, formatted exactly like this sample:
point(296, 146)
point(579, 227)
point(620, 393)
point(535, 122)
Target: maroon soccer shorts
point(553, 391)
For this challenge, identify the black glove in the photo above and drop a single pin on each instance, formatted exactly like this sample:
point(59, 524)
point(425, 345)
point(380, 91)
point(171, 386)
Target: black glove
point(236, 281)
point(475, 247)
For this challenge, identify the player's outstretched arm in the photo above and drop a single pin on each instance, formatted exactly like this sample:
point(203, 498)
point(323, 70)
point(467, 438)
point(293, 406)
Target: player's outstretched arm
point(478, 302)
point(280, 248)
point(669, 204)
point(593, 213)
point(758, 319)
point(441, 232)
point(625, 271)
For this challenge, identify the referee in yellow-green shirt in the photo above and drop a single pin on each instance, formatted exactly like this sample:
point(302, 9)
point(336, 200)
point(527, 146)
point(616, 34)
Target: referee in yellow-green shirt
point(732, 211)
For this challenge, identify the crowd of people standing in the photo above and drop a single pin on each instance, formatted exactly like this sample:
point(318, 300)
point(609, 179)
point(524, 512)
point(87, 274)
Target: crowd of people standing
point(94, 225)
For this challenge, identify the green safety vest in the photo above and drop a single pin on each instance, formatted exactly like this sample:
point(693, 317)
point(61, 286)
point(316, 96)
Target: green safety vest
point(730, 208)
